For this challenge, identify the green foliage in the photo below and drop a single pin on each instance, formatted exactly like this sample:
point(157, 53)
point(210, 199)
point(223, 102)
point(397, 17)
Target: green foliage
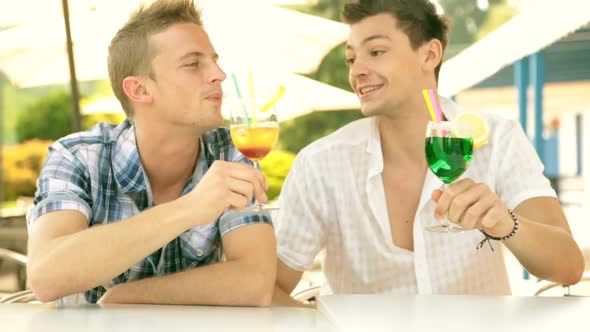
point(276, 166)
point(333, 69)
point(328, 9)
point(498, 14)
point(101, 88)
point(8, 107)
point(21, 165)
point(470, 23)
point(466, 19)
point(49, 118)
point(8, 205)
point(299, 132)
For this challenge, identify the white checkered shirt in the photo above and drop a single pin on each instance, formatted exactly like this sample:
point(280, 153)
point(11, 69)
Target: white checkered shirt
point(333, 198)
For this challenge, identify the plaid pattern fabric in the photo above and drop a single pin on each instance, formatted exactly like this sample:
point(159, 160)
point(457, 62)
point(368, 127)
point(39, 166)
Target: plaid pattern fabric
point(334, 199)
point(99, 173)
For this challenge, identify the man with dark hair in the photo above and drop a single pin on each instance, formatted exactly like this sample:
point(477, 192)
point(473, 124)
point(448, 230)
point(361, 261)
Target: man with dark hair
point(364, 194)
point(142, 212)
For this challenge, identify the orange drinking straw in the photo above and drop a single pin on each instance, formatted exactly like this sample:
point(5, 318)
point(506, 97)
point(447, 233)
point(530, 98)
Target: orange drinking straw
point(429, 103)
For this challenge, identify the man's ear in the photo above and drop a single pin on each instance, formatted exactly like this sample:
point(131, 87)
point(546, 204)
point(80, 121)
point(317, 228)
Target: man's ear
point(432, 52)
point(136, 90)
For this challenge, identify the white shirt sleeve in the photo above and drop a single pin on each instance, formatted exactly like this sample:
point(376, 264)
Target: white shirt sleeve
point(520, 174)
point(300, 224)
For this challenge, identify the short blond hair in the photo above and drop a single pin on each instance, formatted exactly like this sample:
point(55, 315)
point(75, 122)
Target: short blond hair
point(130, 52)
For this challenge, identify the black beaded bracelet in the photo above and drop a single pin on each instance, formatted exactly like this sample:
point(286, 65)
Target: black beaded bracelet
point(489, 237)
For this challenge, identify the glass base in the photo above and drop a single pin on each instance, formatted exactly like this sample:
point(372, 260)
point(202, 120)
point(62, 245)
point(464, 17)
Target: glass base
point(444, 229)
point(260, 207)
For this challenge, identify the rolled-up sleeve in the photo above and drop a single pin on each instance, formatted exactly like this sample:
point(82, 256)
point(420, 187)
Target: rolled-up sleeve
point(62, 185)
point(231, 220)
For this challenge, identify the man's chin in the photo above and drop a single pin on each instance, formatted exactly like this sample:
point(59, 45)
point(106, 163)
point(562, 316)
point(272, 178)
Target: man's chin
point(368, 111)
point(217, 122)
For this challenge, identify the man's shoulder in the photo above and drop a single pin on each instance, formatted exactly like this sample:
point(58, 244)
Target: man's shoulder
point(97, 136)
point(501, 128)
point(84, 149)
point(350, 136)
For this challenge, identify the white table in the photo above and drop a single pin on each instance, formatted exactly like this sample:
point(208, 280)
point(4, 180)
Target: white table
point(130, 318)
point(439, 313)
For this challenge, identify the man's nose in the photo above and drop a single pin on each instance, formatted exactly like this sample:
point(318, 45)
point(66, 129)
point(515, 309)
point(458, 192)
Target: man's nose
point(358, 68)
point(217, 74)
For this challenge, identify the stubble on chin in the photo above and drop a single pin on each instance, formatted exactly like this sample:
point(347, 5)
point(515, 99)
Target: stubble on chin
point(371, 110)
point(385, 108)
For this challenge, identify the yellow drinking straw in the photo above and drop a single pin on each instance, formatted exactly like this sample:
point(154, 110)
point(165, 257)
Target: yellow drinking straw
point(274, 99)
point(429, 105)
point(252, 98)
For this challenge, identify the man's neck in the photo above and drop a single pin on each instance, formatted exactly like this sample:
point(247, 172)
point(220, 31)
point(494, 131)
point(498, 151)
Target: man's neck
point(403, 134)
point(168, 156)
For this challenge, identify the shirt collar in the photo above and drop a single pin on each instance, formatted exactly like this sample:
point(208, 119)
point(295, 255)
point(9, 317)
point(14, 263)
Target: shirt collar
point(127, 167)
point(374, 148)
point(126, 162)
point(449, 108)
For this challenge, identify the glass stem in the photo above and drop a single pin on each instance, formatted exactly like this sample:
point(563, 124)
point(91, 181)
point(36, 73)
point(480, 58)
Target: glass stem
point(257, 166)
point(445, 220)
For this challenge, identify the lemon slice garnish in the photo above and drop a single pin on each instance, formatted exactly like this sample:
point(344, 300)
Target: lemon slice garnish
point(469, 124)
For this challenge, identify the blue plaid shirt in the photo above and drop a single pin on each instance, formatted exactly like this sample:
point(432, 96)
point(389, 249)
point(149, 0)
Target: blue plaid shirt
point(99, 173)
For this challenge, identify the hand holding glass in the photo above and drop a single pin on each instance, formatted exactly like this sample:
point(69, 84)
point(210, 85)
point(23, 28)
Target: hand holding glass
point(448, 155)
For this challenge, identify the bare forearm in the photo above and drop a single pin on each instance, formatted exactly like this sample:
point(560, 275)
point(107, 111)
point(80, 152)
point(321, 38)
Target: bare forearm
point(64, 268)
point(547, 252)
point(228, 283)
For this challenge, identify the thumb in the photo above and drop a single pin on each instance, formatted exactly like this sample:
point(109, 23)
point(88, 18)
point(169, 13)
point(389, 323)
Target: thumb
point(436, 195)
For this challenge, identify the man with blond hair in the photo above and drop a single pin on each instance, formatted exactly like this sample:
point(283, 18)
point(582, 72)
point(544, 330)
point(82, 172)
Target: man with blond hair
point(166, 186)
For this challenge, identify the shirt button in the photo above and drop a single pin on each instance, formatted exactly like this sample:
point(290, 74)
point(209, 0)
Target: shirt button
point(199, 252)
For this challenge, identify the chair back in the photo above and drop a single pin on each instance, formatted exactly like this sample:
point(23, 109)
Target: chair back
point(307, 296)
point(582, 288)
point(26, 296)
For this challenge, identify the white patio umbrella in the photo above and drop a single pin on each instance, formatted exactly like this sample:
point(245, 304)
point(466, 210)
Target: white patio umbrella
point(248, 33)
point(302, 95)
point(245, 33)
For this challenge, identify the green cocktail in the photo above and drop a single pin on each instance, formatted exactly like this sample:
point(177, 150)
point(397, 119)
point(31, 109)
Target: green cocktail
point(448, 157)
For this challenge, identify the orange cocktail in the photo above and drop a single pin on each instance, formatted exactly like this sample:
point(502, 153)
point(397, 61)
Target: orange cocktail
point(255, 142)
point(254, 131)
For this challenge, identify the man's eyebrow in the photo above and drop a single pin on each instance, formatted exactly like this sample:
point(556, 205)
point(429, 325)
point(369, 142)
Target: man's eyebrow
point(370, 38)
point(197, 54)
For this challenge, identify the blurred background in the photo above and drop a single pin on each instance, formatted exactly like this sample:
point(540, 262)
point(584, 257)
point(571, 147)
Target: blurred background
point(524, 59)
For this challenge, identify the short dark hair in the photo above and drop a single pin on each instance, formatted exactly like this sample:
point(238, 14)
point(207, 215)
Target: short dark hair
point(130, 53)
point(416, 18)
